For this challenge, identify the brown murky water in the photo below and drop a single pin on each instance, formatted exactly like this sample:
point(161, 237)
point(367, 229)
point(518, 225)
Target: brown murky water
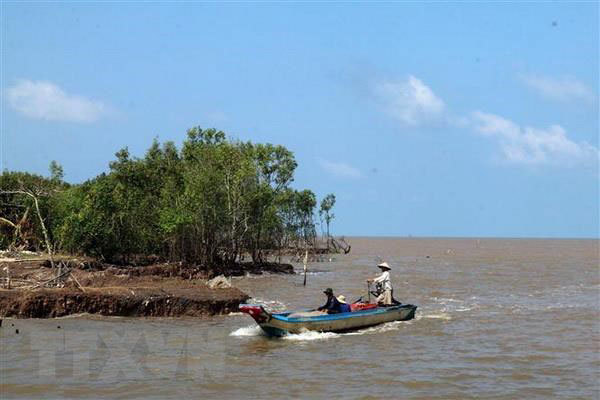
point(497, 319)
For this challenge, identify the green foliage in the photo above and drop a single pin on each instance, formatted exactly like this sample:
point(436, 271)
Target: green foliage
point(208, 203)
point(91, 219)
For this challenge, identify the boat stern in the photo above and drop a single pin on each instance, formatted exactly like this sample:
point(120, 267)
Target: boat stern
point(410, 314)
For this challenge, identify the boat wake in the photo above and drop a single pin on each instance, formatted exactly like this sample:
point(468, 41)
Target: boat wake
point(311, 335)
point(255, 330)
point(444, 316)
point(250, 330)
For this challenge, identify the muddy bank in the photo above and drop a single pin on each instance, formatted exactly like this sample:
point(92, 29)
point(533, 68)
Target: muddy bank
point(120, 301)
point(163, 290)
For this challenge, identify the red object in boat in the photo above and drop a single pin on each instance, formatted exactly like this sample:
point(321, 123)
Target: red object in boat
point(362, 306)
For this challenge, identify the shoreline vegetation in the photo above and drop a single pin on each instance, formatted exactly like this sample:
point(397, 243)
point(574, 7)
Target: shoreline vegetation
point(157, 235)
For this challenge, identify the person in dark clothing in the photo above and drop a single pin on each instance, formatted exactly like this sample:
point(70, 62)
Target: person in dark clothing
point(332, 306)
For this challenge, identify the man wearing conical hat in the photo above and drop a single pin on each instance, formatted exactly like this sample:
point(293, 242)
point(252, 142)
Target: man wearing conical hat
point(385, 298)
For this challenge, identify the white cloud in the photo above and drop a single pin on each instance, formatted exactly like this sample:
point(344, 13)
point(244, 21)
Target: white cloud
point(340, 169)
point(410, 101)
point(45, 100)
point(528, 145)
point(563, 89)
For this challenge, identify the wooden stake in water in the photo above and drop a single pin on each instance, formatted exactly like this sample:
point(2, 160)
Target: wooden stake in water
point(7, 269)
point(305, 261)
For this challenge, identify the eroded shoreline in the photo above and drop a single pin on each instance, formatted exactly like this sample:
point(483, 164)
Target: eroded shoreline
point(158, 290)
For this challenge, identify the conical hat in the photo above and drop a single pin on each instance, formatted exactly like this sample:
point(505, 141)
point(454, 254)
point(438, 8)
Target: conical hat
point(384, 265)
point(341, 298)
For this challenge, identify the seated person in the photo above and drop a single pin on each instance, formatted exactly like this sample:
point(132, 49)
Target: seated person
point(333, 305)
point(344, 307)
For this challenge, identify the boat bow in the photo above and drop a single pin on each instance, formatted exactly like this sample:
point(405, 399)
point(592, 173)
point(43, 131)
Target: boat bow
point(257, 312)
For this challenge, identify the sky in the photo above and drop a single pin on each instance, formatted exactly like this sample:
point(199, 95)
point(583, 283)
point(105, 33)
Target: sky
point(434, 119)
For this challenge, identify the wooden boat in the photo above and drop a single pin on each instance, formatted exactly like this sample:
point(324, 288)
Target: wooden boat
point(280, 324)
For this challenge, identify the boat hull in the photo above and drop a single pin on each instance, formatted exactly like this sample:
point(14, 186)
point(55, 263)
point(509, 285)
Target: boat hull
point(281, 324)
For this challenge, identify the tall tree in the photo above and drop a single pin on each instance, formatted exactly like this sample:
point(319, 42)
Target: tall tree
point(56, 171)
point(325, 212)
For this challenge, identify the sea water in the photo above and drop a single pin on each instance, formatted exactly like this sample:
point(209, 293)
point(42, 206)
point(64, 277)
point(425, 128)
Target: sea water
point(497, 318)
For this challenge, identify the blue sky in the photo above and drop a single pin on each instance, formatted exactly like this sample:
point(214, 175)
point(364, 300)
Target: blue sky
point(425, 119)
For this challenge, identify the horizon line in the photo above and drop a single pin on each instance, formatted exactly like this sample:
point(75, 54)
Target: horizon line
point(471, 237)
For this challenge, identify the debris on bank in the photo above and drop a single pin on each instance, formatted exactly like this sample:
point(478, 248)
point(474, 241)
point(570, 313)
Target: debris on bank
point(219, 282)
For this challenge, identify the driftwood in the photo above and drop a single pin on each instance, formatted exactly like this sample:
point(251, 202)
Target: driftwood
point(77, 282)
point(58, 276)
point(340, 245)
point(30, 284)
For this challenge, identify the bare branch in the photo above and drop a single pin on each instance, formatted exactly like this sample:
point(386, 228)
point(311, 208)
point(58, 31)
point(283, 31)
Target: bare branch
point(34, 195)
point(7, 222)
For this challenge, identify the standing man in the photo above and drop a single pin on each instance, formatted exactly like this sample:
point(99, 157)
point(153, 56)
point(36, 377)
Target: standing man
point(384, 298)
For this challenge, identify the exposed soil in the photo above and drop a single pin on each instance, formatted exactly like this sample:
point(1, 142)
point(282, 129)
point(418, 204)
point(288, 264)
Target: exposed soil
point(151, 291)
point(134, 302)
